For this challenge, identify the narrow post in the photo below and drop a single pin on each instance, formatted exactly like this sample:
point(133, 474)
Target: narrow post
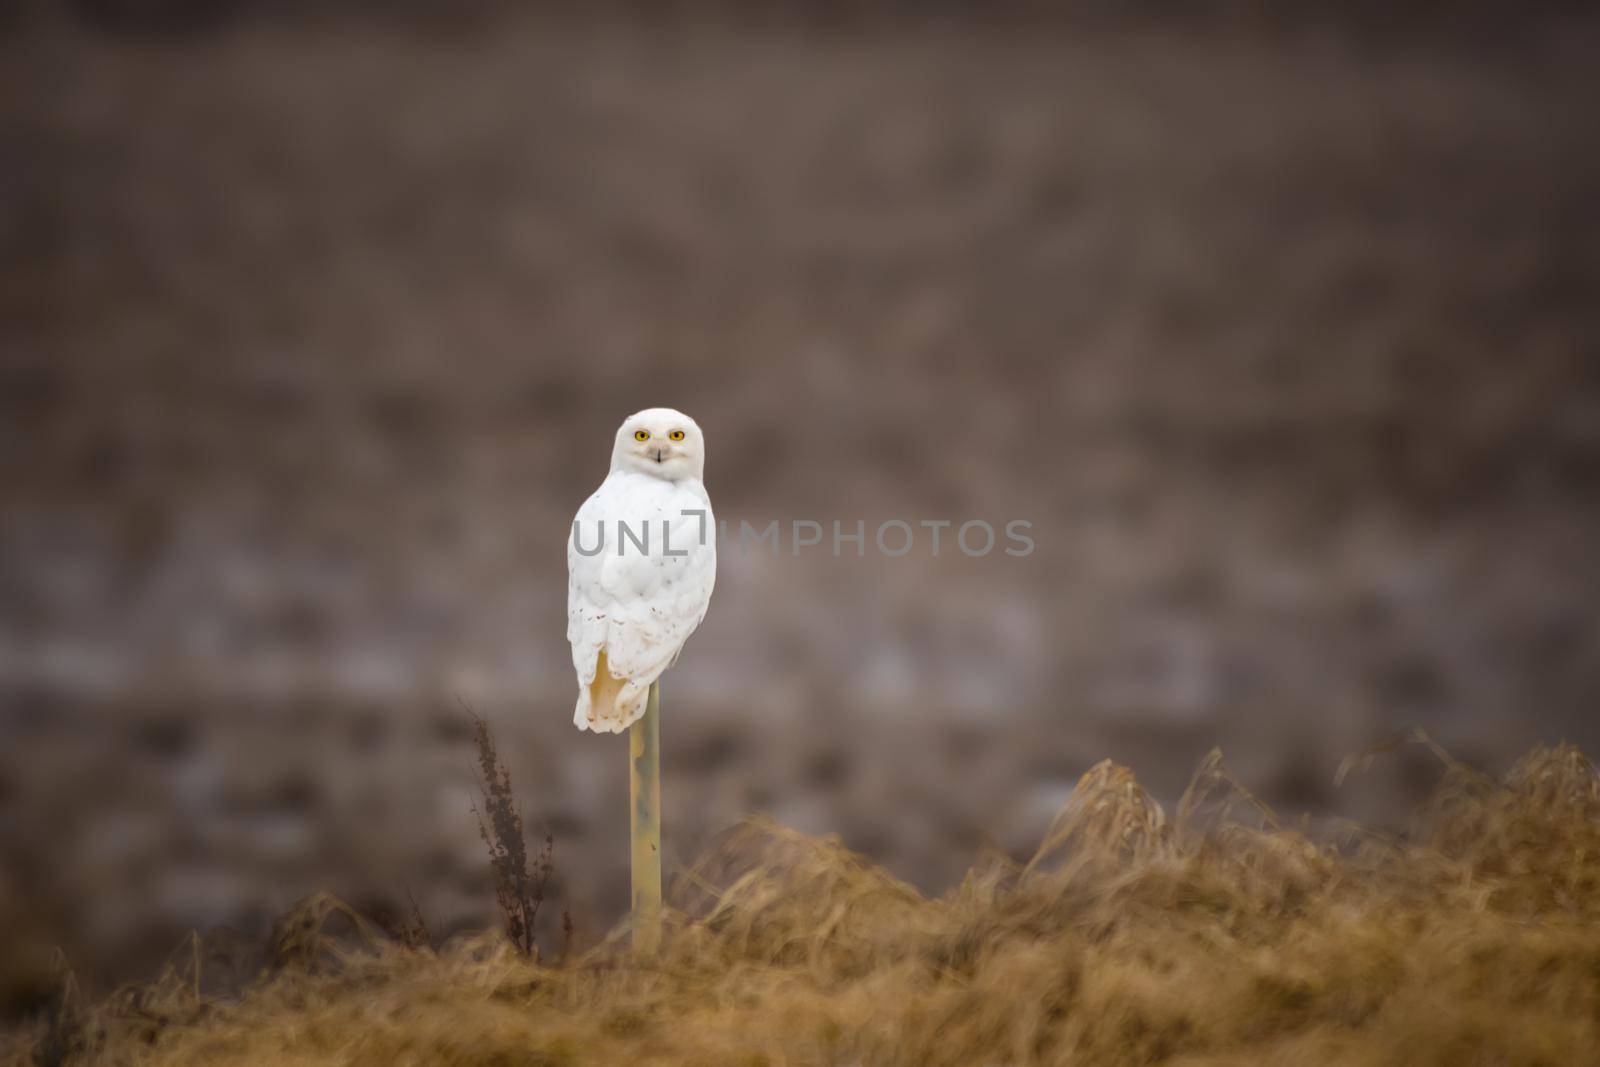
point(644, 791)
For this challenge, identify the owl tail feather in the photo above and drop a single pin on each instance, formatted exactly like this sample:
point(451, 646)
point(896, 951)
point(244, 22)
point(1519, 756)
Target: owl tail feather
point(610, 704)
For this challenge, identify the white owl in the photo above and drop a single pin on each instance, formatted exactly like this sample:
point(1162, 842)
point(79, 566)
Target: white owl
point(641, 561)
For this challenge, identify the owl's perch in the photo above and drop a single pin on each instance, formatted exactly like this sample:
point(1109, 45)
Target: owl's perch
point(644, 791)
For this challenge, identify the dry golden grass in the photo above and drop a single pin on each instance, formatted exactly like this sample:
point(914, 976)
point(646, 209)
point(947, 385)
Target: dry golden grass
point(1221, 936)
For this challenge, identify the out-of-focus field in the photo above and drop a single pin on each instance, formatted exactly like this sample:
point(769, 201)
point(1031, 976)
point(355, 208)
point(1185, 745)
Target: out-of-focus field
point(1220, 937)
point(313, 335)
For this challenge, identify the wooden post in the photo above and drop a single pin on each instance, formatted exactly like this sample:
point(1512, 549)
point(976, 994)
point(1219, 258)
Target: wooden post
point(644, 792)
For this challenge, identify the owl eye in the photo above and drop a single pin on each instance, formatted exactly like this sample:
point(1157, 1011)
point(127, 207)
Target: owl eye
point(676, 435)
point(641, 435)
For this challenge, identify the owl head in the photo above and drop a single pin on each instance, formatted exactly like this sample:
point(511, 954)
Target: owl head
point(662, 443)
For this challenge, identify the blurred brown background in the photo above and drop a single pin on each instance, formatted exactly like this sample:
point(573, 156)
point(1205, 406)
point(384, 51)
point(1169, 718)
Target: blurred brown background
point(315, 328)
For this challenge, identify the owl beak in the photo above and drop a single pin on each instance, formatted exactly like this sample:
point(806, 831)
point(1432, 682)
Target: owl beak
point(660, 452)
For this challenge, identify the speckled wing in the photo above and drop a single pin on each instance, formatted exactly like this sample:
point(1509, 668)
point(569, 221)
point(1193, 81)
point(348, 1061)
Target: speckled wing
point(641, 563)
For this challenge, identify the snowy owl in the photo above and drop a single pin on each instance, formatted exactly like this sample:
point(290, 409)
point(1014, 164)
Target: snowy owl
point(641, 561)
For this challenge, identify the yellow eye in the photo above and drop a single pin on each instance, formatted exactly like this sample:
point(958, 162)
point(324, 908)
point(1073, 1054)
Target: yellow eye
point(676, 435)
point(641, 435)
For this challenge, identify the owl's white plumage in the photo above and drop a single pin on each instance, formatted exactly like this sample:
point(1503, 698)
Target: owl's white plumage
point(631, 606)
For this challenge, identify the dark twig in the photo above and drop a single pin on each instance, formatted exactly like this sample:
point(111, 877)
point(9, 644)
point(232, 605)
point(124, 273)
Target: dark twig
point(519, 889)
